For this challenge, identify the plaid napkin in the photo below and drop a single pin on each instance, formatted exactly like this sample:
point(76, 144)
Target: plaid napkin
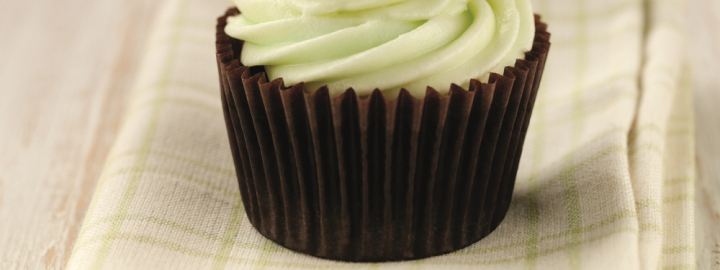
point(606, 180)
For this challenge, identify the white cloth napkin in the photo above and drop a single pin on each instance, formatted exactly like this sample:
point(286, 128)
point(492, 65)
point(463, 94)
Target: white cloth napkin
point(606, 180)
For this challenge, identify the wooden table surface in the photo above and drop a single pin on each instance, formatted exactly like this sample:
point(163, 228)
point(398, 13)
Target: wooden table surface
point(65, 70)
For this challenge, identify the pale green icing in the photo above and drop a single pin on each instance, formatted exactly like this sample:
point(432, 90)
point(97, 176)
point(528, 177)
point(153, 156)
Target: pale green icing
point(385, 44)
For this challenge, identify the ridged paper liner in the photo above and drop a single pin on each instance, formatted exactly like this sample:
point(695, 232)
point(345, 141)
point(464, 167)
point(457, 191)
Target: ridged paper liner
point(376, 178)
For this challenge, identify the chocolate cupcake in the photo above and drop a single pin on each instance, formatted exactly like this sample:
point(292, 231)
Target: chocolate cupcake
point(375, 130)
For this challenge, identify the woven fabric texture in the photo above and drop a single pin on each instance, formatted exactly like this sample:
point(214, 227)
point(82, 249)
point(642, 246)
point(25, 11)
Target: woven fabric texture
point(605, 182)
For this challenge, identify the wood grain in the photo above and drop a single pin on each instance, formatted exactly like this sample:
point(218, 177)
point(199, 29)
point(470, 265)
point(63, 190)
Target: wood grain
point(65, 70)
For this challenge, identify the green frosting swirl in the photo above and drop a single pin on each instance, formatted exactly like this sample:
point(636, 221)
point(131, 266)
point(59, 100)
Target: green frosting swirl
point(385, 44)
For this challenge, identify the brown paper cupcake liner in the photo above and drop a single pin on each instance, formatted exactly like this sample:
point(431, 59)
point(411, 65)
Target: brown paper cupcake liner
point(377, 177)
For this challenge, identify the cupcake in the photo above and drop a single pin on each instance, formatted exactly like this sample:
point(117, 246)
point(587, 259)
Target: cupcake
point(378, 130)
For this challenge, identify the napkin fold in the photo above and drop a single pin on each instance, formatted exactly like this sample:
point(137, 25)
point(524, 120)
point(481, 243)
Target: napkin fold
point(605, 182)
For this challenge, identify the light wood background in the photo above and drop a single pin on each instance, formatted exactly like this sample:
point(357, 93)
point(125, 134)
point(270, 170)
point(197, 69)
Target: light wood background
point(65, 70)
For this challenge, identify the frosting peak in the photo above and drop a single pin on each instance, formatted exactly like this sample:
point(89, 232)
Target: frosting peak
point(385, 44)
